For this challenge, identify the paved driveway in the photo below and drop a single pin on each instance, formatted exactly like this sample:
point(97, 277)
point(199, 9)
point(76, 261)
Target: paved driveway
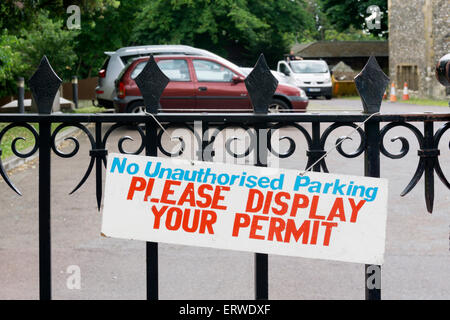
point(417, 264)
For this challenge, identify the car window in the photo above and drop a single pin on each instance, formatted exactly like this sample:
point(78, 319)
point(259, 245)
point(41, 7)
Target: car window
point(105, 63)
point(126, 59)
point(210, 71)
point(174, 69)
point(283, 68)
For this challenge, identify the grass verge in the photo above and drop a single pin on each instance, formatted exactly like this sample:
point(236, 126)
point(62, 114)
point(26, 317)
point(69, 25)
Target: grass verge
point(416, 101)
point(10, 135)
point(426, 102)
point(88, 110)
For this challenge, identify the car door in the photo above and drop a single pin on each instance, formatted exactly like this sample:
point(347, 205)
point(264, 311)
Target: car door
point(179, 94)
point(215, 88)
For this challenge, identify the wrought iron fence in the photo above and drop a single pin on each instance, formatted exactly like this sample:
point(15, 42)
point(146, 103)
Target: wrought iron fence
point(261, 85)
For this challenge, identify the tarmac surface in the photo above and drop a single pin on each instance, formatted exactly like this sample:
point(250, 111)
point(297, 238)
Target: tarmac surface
point(417, 259)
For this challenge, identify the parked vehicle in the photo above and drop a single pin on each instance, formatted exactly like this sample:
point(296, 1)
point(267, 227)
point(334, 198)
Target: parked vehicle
point(313, 76)
point(117, 60)
point(282, 78)
point(200, 83)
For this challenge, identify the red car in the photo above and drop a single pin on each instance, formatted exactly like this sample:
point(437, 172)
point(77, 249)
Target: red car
point(199, 83)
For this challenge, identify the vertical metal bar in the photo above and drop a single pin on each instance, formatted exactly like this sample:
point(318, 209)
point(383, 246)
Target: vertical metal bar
point(98, 164)
point(21, 94)
point(151, 149)
point(44, 211)
point(372, 169)
point(261, 259)
point(261, 276)
point(75, 91)
point(430, 162)
point(316, 144)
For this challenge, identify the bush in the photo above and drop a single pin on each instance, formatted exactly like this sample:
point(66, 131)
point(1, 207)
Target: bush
point(47, 37)
point(10, 64)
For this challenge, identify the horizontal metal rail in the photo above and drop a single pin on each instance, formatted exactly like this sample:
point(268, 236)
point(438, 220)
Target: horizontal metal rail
point(228, 118)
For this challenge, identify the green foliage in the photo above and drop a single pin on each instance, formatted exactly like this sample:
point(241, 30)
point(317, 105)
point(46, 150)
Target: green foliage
point(47, 37)
point(15, 15)
point(350, 35)
point(20, 55)
point(106, 30)
point(238, 30)
point(344, 14)
point(10, 63)
point(326, 28)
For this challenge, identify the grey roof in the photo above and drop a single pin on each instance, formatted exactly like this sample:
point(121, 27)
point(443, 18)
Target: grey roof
point(342, 49)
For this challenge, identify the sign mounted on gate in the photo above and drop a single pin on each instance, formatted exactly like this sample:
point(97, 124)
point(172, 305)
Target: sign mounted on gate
point(246, 208)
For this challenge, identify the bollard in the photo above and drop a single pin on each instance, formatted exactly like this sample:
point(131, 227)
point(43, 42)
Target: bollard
point(75, 91)
point(20, 94)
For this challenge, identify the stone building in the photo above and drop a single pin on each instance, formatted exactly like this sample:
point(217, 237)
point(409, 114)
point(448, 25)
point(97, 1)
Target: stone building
point(419, 35)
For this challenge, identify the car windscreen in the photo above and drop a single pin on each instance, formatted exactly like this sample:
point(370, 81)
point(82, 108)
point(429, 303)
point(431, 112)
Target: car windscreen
point(306, 66)
point(129, 58)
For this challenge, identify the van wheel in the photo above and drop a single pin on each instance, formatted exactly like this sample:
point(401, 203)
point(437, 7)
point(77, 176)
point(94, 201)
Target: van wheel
point(328, 97)
point(277, 105)
point(136, 107)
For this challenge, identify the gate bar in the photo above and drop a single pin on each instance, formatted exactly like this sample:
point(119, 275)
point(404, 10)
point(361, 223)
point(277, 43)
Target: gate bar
point(45, 281)
point(151, 149)
point(372, 169)
point(261, 259)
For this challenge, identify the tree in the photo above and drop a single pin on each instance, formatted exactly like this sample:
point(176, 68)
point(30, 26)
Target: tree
point(47, 37)
point(344, 14)
point(18, 14)
point(15, 15)
point(106, 30)
point(238, 30)
point(20, 56)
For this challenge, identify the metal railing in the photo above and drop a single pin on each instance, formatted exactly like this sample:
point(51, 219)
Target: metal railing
point(261, 85)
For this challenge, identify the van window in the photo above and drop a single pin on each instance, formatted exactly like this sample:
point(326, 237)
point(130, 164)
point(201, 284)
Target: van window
point(283, 68)
point(174, 69)
point(305, 66)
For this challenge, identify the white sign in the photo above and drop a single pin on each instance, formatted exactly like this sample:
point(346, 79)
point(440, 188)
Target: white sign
point(246, 208)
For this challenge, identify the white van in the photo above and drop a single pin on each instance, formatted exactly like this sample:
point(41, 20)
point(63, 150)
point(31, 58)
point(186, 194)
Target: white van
point(313, 76)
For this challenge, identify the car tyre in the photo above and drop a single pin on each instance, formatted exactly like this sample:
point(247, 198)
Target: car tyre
point(328, 97)
point(136, 107)
point(277, 105)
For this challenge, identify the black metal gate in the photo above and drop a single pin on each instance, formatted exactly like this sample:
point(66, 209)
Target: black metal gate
point(371, 83)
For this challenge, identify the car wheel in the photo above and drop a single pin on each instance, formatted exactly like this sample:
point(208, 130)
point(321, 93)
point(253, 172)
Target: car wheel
point(328, 97)
point(277, 105)
point(136, 107)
